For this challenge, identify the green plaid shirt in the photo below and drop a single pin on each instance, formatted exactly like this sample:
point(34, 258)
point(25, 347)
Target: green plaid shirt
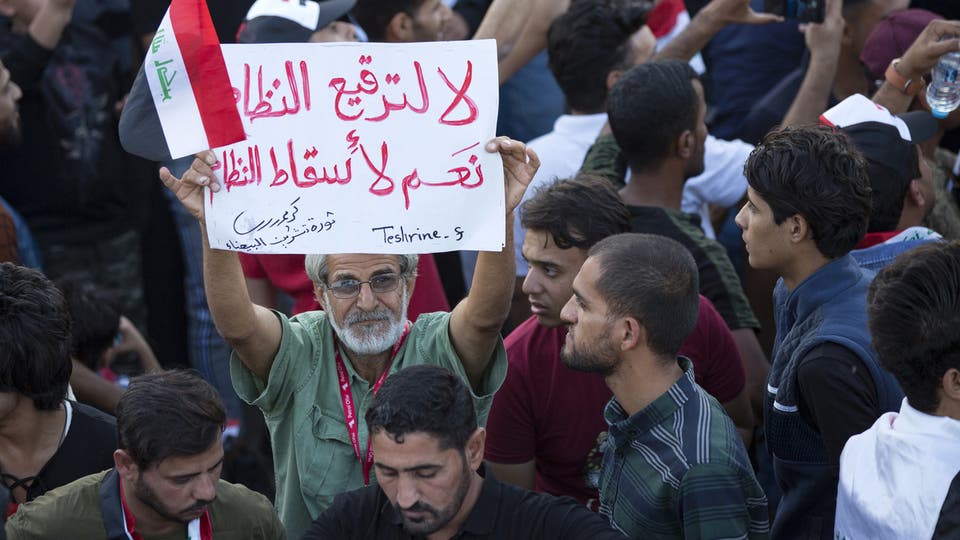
point(677, 469)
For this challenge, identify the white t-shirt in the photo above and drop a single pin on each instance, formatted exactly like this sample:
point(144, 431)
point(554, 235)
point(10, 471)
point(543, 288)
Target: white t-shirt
point(895, 476)
point(562, 151)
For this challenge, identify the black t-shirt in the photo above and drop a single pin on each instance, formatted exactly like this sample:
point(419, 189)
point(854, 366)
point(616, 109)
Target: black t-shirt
point(501, 511)
point(837, 396)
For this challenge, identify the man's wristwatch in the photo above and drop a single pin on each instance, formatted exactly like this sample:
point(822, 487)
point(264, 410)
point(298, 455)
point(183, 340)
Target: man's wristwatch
point(909, 87)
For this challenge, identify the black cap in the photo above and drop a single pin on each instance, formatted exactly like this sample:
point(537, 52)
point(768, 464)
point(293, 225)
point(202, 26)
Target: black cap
point(289, 21)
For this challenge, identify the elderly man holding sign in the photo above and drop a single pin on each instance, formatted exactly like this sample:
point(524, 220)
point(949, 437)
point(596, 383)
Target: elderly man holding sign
point(314, 376)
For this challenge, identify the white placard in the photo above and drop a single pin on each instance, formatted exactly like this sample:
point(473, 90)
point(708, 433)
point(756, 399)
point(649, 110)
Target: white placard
point(361, 148)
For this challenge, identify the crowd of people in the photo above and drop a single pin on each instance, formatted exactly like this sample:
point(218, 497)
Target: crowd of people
point(727, 304)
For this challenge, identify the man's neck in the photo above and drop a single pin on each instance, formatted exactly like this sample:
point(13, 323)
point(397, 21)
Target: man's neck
point(662, 188)
point(575, 112)
point(911, 216)
point(457, 521)
point(639, 382)
point(802, 267)
point(28, 432)
point(929, 147)
point(948, 408)
point(146, 520)
point(368, 366)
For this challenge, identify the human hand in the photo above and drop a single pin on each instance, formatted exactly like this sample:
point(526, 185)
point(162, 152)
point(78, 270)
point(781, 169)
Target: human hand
point(937, 39)
point(189, 188)
point(130, 338)
point(520, 164)
point(726, 12)
point(823, 39)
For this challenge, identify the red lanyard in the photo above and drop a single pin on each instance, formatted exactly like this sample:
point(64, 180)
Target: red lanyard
point(349, 411)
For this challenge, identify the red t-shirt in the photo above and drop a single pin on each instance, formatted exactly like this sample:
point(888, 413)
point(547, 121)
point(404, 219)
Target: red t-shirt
point(287, 274)
point(554, 415)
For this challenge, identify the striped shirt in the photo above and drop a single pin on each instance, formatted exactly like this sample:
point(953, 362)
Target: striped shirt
point(677, 469)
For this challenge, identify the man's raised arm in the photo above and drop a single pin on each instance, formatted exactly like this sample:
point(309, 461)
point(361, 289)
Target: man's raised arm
point(476, 321)
point(520, 28)
point(253, 331)
point(937, 39)
point(706, 23)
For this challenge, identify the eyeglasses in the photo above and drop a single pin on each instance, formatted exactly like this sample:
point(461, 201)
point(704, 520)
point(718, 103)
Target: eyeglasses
point(346, 289)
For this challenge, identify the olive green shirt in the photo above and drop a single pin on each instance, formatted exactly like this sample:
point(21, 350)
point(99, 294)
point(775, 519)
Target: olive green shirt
point(73, 511)
point(944, 217)
point(313, 458)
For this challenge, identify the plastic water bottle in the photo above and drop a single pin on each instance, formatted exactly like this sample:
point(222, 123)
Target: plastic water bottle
point(943, 92)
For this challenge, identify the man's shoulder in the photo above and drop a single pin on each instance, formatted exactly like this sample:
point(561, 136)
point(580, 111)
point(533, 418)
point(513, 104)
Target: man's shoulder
point(521, 513)
point(242, 508)
point(428, 325)
point(718, 434)
point(308, 326)
point(352, 515)
point(531, 342)
point(313, 317)
point(70, 511)
point(666, 221)
point(237, 496)
point(93, 417)
point(700, 419)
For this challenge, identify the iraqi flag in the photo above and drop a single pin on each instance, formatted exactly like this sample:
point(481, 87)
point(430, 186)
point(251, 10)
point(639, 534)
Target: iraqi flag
point(182, 101)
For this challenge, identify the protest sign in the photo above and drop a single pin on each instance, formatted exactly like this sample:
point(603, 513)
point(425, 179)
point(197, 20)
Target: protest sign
point(360, 148)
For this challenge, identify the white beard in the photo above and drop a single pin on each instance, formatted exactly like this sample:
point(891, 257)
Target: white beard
point(368, 341)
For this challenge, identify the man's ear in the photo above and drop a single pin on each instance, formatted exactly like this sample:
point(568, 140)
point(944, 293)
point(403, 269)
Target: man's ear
point(613, 77)
point(318, 294)
point(950, 386)
point(400, 28)
point(630, 333)
point(799, 228)
point(915, 194)
point(475, 446)
point(125, 464)
point(686, 144)
point(411, 282)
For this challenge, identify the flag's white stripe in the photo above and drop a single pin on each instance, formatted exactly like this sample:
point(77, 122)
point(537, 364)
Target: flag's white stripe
point(193, 530)
point(173, 96)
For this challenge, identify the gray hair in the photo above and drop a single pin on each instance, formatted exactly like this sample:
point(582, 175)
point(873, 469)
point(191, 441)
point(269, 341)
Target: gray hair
point(318, 270)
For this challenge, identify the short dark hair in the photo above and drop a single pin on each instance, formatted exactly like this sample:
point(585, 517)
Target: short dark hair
point(374, 16)
point(817, 173)
point(34, 337)
point(888, 190)
point(168, 414)
point(649, 107)
point(588, 42)
point(577, 212)
point(95, 313)
point(913, 307)
point(424, 399)
point(653, 279)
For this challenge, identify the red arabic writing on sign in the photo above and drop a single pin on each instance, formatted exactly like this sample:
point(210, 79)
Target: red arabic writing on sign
point(295, 164)
point(375, 102)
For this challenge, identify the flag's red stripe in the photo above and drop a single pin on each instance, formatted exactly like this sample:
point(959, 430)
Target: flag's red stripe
point(206, 68)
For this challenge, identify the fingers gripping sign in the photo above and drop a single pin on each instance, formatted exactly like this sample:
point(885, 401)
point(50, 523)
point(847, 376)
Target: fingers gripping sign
point(520, 164)
point(189, 188)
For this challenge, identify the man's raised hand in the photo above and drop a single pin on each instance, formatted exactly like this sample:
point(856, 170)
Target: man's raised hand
point(189, 188)
point(520, 164)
